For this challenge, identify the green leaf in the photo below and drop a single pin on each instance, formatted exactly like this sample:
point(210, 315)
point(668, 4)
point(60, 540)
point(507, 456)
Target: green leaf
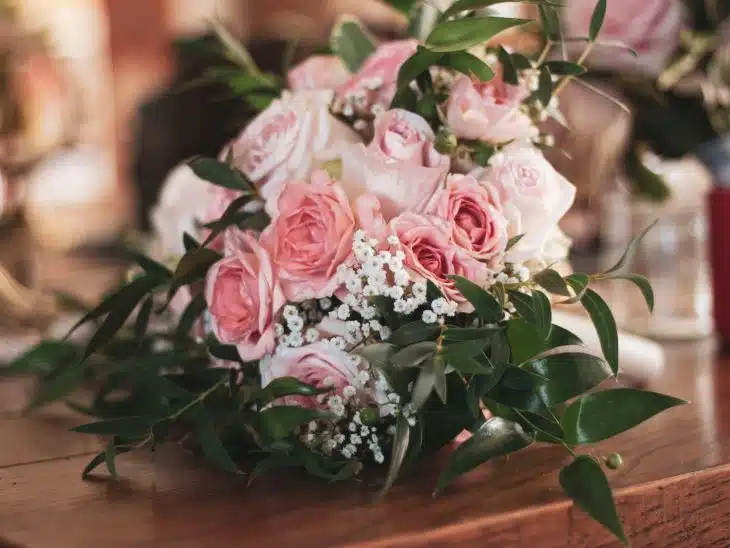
point(424, 385)
point(602, 415)
point(578, 283)
point(642, 283)
point(190, 315)
point(565, 68)
point(412, 333)
point(469, 5)
point(514, 241)
point(464, 350)
point(605, 324)
point(279, 421)
point(286, 386)
point(552, 281)
point(417, 64)
point(628, 255)
point(60, 386)
point(110, 456)
point(150, 266)
point(599, 14)
point(351, 43)
point(545, 89)
point(100, 459)
point(192, 268)
point(465, 33)
point(569, 375)
point(486, 305)
point(509, 70)
point(496, 438)
point(415, 354)
point(439, 378)
point(522, 63)
point(546, 429)
point(562, 337)
point(232, 216)
point(549, 21)
point(42, 359)
point(125, 426)
point(189, 243)
point(212, 447)
point(525, 340)
point(462, 334)
point(501, 352)
point(535, 309)
point(378, 354)
point(584, 481)
point(143, 318)
point(468, 64)
point(401, 440)
point(442, 423)
point(219, 173)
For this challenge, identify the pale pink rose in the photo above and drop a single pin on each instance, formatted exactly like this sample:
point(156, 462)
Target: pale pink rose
point(489, 111)
point(318, 72)
point(244, 297)
point(310, 236)
point(400, 166)
point(372, 89)
point(432, 255)
point(531, 195)
point(286, 140)
point(370, 218)
point(320, 365)
point(478, 227)
point(650, 27)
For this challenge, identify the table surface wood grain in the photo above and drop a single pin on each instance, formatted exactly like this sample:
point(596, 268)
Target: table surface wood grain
point(673, 490)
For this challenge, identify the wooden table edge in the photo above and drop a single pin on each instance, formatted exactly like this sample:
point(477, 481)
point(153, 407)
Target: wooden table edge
point(633, 503)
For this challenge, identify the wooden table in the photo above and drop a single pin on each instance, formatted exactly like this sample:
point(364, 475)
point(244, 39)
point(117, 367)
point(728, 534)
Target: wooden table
point(673, 491)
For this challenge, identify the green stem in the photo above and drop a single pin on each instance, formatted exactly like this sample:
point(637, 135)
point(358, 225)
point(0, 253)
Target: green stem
point(583, 56)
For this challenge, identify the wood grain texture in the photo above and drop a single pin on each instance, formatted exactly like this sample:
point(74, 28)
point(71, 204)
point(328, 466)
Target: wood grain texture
point(674, 490)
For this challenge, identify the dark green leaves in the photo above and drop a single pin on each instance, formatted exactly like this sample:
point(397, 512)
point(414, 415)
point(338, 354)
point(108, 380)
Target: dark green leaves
point(485, 305)
point(192, 268)
point(46, 357)
point(569, 375)
point(599, 416)
point(125, 426)
point(565, 68)
point(605, 325)
point(219, 173)
point(497, 437)
point(643, 284)
point(463, 34)
point(551, 281)
point(535, 309)
point(466, 63)
point(415, 354)
point(599, 14)
point(524, 340)
point(278, 422)
point(211, 445)
point(585, 483)
point(401, 440)
point(286, 386)
point(468, 5)
point(412, 333)
point(351, 43)
point(628, 255)
point(545, 82)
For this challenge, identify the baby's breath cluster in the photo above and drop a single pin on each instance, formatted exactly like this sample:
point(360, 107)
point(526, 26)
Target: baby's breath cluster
point(365, 412)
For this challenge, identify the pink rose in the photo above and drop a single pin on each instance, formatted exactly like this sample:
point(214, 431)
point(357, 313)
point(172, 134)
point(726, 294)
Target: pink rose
point(318, 72)
point(320, 365)
point(531, 195)
point(284, 142)
point(432, 255)
point(244, 296)
point(372, 89)
point(489, 111)
point(478, 227)
point(400, 166)
point(651, 28)
point(310, 236)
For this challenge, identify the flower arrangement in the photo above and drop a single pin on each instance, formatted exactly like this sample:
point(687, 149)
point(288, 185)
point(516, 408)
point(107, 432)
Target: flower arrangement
point(365, 275)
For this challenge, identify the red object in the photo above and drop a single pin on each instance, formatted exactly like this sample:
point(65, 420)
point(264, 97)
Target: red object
point(719, 236)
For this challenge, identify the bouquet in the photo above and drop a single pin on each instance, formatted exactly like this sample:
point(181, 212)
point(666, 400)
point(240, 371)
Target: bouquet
point(365, 275)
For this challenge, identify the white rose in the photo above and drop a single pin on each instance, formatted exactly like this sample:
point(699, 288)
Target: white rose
point(183, 202)
point(286, 141)
point(531, 195)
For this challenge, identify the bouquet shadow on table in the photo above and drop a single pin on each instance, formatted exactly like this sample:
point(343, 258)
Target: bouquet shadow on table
point(363, 275)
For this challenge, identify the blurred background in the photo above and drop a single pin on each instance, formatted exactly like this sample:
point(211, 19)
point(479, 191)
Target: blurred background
point(97, 106)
